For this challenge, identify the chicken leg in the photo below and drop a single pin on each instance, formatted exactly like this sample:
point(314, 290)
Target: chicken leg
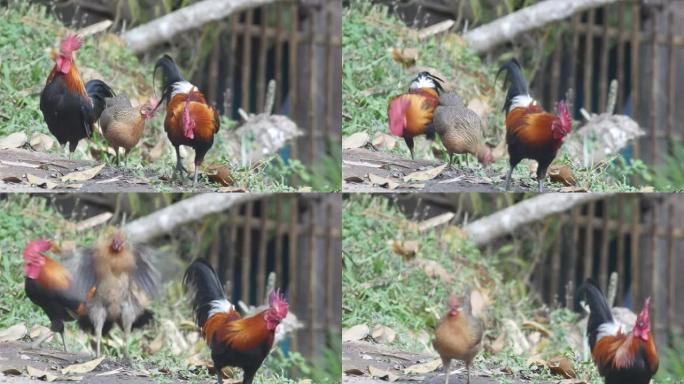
point(127, 319)
point(179, 165)
point(98, 315)
point(508, 178)
point(446, 364)
point(409, 144)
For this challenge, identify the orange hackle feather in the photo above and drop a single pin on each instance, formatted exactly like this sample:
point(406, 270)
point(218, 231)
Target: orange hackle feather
point(422, 104)
point(204, 116)
point(239, 333)
point(619, 352)
point(54, 276)
point(530, 127)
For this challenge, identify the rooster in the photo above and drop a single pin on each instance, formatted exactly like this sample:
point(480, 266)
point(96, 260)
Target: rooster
point(122, 124)
point(624, 358)
point(233, 340)
point(458, 335)
point(190, 120)
point(49, 285)
point(460, 129)
point(118, 282)
point(69, 108)
point(531, 133)
point(410, 114)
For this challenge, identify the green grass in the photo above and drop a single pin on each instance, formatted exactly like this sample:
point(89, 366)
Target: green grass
point(380, 288)
point(25, 218)
point(371, 77)
point(27, 35)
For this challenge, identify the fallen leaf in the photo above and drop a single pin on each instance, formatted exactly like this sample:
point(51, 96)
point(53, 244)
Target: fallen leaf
point(220, 174)
point(353, 179)
point(40, 374)
point(382, 374)
point(12, 179)
point(405, 56)
point(574, 189)
point(433, 269)
point(384, 141)
point(13, 333)
point(405, 248)
point(40, 182)
point(11, 371)
point(112, 372)
point(435, 221)
point(562, 366)
point(83, 367)
point(355, 333)
point(41, 142)
point(383, 334)
point(357, 140)
point(93, 221)
point(382, 182)
point(13, 140)
point(156, 344)
point(529, 324)
point(38, 330)
point(498, 344)
point(422, 368)
point(83, 175)
point(232, 189)
point(428, 174)
point(354, 372)
point(562, 174)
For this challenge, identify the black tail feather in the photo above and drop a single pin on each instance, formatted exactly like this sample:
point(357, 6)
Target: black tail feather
point(98, 91)
point(517, 85)
point(203, 285)
point(600, 311)
point(170, 74)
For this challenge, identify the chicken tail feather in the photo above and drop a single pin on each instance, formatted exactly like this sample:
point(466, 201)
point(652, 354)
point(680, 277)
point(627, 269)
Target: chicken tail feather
point(517, 85)
point(204, 288)
point(600, 311)
point(170, 75)
point(98, 91)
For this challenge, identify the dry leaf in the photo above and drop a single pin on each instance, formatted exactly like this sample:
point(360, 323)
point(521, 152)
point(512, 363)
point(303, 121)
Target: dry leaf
point(40, 374)
point(354, 372)
point(428, 174)
point(220, 174)
point(382, 374)
point(529, 324)
point(498, 344)
point(382, 182)
point(13, 333)
point(574, 189)
point(405, 56)
point(435, 221)
point(422, 368)
point(37, 331)
point(434, 269)
point(12, 371)
point(384, 141)
point(383, 334)
point(156, 344)
point(562, 366)
point(83, 175)
point(357, 140)
point(562, 174)
point(353, 179)
point(14, 140)
point(232, 189)
point(83, 367)
point(40, 182)
point(93, 221)
point(157, 151)
point(355, 333)
point(406, 248)
point(41, 142)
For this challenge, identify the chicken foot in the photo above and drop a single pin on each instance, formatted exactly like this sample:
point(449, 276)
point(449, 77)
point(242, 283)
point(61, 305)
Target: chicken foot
point(446, 364)
point(179, 165)
point(40, 341)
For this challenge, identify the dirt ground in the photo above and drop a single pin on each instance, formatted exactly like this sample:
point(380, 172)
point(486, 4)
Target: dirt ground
point(23, 170)
point(359, 356)
point(358, 163)
point(15, 357)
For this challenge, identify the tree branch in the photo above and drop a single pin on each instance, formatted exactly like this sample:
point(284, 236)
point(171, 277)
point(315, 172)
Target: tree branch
point(506, 28)
point(193, 16)
point(191, 209)
point(533, 209)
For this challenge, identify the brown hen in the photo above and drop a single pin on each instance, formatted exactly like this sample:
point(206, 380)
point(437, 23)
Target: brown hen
point(122, 124)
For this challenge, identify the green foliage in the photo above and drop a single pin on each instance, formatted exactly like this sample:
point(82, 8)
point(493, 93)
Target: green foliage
point(669, 176)
point(673, 364)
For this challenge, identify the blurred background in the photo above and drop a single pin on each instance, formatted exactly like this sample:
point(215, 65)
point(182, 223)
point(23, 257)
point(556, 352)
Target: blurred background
point(295, 237)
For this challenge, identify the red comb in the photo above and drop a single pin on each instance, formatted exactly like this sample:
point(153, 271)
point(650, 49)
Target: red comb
point(70, 44)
